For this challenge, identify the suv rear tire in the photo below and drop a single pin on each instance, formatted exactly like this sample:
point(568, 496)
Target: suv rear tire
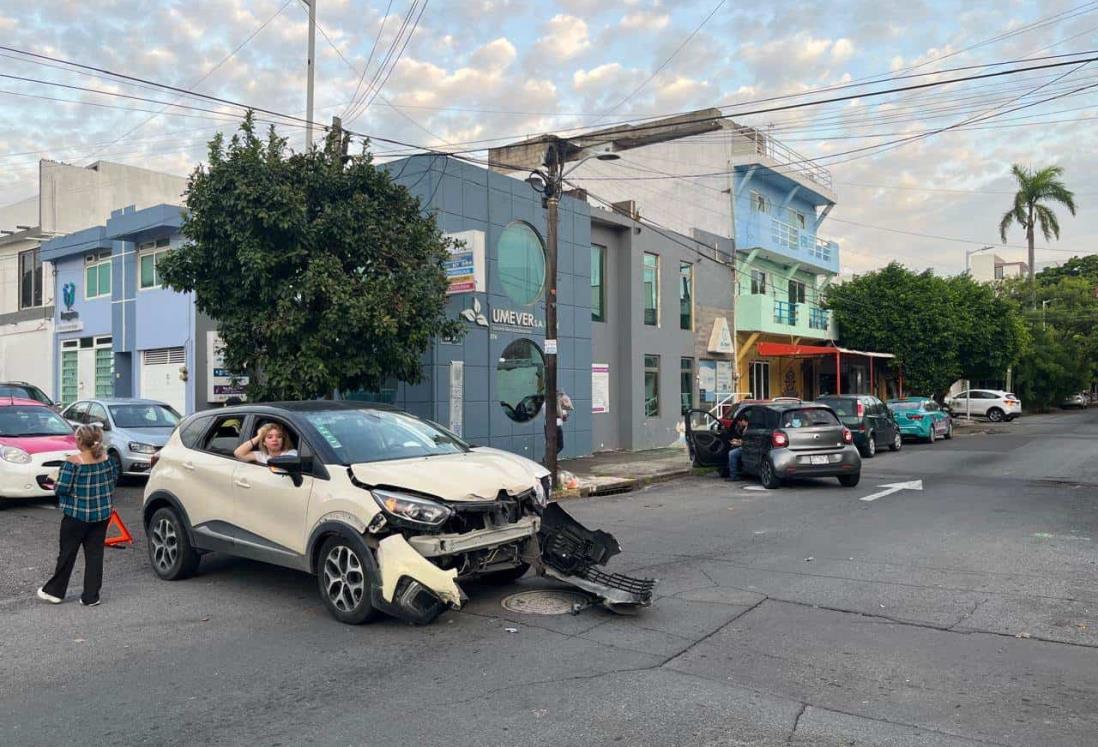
point(343, 577)
point(995, 415)
point(170, 551)
point(897, 442)
point(849, 481)
point(870, 449)
point(768, 477)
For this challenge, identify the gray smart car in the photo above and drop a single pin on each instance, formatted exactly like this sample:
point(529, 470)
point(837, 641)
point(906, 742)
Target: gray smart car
point(135, 429)
point(783, 441)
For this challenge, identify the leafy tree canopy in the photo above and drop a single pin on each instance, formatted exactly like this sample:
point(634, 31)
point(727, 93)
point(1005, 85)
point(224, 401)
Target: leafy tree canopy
point(939, 329)
point(1077, 267)
point(321, 272)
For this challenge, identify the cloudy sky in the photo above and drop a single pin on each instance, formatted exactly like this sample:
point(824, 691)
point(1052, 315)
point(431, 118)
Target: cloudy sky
point(477, 70)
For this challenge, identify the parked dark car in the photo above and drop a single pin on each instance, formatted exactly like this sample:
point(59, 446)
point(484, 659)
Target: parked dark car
point(23, 390)
point(783, 440)
point(869, 420)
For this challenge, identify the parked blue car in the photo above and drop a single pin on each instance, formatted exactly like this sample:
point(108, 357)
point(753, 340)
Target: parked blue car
point(921, 417)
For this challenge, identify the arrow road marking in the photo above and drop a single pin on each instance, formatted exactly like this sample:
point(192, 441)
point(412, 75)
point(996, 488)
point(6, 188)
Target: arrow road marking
point(894, 487)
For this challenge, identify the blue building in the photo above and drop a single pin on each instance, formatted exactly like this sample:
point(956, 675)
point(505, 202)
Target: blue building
point(117, 331)
point(489, 385)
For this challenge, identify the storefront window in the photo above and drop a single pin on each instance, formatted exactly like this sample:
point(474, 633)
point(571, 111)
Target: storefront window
point(520, 378)
point(686, 384)
point(521, 263)
point(686, 295)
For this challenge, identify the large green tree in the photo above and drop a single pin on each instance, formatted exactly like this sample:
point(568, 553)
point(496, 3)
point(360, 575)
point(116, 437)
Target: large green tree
point(939, 329)
point(1085, 267)
point(1036, 188)
point(321, 272)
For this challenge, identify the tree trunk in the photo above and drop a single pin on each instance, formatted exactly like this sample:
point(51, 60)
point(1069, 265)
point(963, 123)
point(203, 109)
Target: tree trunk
point(1029, 238)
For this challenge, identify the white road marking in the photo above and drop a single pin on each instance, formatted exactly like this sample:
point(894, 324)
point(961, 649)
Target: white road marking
point(753, 487)
point(894, 487)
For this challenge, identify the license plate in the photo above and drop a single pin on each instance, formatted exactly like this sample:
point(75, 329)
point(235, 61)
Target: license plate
point(818, 459)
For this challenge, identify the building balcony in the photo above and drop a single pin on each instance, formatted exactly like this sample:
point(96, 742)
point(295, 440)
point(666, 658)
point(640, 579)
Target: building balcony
point(789, 243)
point(764, 313)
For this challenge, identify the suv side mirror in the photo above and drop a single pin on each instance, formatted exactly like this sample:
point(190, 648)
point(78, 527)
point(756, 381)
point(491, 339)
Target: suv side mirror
point(290, 464)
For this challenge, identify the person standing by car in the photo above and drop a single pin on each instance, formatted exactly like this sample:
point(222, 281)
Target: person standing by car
point(564, 409)
point(268, 443)
point(85, 484)
point(735, 451)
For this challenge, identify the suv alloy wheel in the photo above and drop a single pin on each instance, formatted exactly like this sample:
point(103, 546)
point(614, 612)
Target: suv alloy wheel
point(344, 579)
point(897, 442)
point(170, 550)
point(995, 415)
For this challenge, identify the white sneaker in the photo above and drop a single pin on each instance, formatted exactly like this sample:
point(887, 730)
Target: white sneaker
point(91, 604)
point(48, 597)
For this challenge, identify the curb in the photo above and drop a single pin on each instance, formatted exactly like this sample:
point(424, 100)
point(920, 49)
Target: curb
point(624, 486)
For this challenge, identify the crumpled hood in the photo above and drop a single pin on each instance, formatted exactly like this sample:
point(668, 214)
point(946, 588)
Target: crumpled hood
point(473, 476)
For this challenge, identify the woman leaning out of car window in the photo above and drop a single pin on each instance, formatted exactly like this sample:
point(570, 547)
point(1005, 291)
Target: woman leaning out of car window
point(269, 442)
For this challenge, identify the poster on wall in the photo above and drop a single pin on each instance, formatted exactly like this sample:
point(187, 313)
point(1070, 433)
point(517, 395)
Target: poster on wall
point(220, 384)
point(457, 396)
point(465, 267)
point(724, 379)
point(600, 388)
point(707, 380)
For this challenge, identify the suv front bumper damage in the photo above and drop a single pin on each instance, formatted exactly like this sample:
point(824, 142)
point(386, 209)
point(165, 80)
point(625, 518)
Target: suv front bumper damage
point(411, 587)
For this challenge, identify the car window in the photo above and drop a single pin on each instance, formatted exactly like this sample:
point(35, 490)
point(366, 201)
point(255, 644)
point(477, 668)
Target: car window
point(97, 414)
point(358, 436)
point(808, 417)
point(847, 408)
point(37, 394)
point(224, 436)
point(77, 413)
point(930, 406)
point(144, 416)
point(756, 417)
point(193, 430)
point(31, 420)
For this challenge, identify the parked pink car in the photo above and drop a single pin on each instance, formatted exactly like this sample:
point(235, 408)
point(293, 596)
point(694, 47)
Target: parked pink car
point(34, 441)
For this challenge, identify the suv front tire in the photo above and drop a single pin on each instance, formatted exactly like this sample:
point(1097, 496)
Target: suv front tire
point(343, 576)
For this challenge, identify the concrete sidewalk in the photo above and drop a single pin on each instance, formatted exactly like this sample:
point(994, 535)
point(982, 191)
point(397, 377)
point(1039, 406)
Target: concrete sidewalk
point(612, 472)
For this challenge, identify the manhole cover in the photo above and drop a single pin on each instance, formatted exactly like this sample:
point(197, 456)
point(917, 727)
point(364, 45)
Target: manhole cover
point(545, 602)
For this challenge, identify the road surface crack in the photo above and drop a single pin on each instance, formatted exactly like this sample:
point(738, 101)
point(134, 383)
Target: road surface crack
point(709, 635)
point(796, 723)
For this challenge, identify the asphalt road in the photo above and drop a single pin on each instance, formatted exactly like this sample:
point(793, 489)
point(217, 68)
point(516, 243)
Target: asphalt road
point(961, 614)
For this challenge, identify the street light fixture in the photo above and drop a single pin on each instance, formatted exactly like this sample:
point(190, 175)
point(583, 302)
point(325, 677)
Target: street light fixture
point(549, 181)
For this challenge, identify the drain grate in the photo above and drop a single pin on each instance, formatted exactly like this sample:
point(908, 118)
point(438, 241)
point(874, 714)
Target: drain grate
point(546, 602)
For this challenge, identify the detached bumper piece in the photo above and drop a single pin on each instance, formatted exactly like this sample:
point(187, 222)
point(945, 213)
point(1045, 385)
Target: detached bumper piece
point(570, 553)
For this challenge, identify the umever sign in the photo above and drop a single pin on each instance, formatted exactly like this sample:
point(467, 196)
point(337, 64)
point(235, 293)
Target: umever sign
point(515, 318)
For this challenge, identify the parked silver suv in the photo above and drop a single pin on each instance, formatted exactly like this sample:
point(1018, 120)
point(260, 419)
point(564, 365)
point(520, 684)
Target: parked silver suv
point(389, 511)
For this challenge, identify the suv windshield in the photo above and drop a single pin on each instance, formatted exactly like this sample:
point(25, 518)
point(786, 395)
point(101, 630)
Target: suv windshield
point(27, 420)
point(808, 418)
point(359, 436)
point(144, 416)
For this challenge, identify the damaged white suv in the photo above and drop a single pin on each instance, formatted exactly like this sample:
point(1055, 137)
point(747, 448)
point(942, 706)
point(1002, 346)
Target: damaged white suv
point(389, 511)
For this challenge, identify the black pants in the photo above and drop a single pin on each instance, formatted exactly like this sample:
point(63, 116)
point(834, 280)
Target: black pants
point(75, 533)
point(560, 438)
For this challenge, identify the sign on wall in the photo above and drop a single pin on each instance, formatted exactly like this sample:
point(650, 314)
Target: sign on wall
point(465, 268)
point(723, 379)
point(457, 396)
point(600, 388)
point(720, 339)
point(219, 380)
point(707, 380)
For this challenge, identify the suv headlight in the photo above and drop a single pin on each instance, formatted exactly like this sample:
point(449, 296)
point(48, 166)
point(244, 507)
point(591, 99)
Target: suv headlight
point(15, 455)
point(422, 511)
point(541, 491)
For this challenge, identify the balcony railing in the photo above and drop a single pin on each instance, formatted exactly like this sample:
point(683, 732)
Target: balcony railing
point(817, 318)
point(785, 313)
point(791, 161)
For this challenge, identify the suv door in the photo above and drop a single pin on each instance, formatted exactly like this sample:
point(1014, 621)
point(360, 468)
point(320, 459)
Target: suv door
point(206, 488)
point(704, 436)
point(888, 428)
point(269, 509)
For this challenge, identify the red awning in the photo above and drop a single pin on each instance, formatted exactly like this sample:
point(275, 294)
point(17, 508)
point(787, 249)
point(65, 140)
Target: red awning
point(786, 350)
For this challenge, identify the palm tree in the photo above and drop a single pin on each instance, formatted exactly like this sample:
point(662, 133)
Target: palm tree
point(1034, 188)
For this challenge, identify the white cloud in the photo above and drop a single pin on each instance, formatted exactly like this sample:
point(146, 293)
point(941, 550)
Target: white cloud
point(564, 37)
point(842, 50)
point(645, 20)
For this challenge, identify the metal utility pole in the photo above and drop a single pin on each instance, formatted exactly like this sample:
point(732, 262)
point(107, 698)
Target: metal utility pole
point(310, 71)
point(554, 184)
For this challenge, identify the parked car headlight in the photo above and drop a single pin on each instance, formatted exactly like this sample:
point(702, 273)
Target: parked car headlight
point(139, 448)
point(411, 508)
point(15, 455)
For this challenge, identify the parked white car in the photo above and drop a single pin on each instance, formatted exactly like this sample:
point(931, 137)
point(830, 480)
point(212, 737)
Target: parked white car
point(993, 404)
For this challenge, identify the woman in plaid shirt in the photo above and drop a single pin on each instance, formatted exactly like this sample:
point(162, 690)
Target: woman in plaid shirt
point(84, 487)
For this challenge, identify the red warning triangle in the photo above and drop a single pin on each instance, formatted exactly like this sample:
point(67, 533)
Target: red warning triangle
point(123, 537)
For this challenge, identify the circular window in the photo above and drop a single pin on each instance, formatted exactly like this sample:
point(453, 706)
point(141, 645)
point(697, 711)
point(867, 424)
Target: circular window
point(520, 380)
point(520, 257)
